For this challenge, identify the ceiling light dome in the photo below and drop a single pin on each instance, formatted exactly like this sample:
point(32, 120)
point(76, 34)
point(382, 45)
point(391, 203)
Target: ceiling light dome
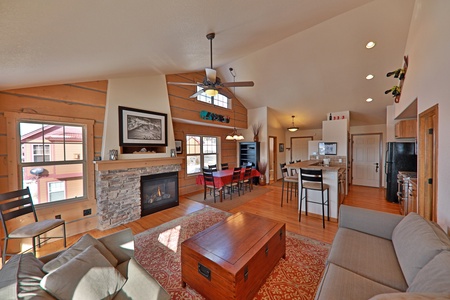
point(293, 128)
point(370, 45)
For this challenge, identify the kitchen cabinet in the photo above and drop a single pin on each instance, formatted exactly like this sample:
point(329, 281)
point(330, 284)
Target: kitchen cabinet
point(406, 129)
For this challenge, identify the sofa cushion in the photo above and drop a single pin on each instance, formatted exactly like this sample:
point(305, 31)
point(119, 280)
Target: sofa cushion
point(121, 244)
point(89, 275)
point(140, 284)
point(81, 245)
point(369, 256)
point(341, 284)
point(434, 276)
point(416, 242)
point(411, 296)
point(20, 278)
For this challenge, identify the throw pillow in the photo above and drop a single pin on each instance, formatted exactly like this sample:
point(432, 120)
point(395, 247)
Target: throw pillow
point(20, 278)
point(416, 243)
point(89, 275)
point(434, 276)
point(81, 245)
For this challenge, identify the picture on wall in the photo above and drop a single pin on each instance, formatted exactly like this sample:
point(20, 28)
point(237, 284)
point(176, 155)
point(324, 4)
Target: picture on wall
point(142, 128)
point(281, 147)
point(179, 146)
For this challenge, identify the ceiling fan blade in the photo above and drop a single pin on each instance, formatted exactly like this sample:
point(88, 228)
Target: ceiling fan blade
point(183, 83)
point(198, 93)
point(237, 84)
point(210, 75)
point(225, 93)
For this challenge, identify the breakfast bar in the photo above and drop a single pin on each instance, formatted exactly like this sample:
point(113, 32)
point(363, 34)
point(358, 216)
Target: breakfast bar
point(332, 175)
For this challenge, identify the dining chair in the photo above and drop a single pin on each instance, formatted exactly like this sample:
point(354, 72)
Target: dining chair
point(235, 182)
point(247, 180)
point(224, 166)
point(213, 168)
point(290, 181)
point(15, 208)
point(313, 180)
point(209, 183)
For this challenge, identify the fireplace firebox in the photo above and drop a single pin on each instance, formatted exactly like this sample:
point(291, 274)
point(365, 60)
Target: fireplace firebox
point(158, 192)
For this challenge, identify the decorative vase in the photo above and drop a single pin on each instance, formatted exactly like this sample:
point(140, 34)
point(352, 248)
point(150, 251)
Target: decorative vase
point(256, 138)
point(262, 179)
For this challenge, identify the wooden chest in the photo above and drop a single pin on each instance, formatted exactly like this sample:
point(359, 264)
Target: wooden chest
point(232, 259)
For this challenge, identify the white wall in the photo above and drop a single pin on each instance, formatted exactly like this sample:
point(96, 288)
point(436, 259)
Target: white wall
point(276, 129)
point(147, 93)
point(336, 131)
point(428, 48)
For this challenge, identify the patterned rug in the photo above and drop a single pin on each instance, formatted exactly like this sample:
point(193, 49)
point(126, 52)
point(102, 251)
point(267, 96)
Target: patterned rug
point(296, 277)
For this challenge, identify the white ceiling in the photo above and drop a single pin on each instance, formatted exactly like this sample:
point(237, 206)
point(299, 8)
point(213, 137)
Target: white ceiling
point(306, 57)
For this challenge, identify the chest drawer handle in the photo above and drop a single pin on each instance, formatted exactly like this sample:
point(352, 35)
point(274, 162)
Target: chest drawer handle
point(267, 250)
point(281, 234)
point(204, 271)
point(246, 273)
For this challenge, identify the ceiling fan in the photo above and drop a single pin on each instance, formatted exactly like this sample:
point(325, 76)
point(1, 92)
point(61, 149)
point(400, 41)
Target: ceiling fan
point(212, 85)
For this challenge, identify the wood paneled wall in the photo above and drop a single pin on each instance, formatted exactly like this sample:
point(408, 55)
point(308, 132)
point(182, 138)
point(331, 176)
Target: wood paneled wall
point(227, 152)
point(86, 100)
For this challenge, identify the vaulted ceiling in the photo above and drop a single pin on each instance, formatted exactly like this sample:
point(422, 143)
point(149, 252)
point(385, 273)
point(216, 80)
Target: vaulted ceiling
point(306, 57)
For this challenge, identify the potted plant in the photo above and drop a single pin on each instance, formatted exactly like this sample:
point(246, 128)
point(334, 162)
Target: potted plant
point(262, 167)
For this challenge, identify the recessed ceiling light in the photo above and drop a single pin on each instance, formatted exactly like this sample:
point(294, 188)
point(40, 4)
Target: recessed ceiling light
point(370, 45)
point(369, 100)
point(370, 76)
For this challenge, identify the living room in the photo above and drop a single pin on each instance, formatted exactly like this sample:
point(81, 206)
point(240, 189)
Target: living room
point(98, 99)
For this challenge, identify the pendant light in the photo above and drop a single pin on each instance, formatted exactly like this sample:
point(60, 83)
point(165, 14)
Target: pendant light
point(293, 128)
point(234, 135)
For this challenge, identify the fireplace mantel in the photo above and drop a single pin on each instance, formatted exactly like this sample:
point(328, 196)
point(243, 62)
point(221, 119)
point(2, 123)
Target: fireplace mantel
point(108, 165)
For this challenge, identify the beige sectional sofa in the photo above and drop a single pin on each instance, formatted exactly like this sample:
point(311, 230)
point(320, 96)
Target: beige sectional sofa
point(381, 256)
point(90, 269)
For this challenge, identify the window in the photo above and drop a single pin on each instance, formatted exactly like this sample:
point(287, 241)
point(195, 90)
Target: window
point(201, 151)
point(52, 160)
point(218, 100)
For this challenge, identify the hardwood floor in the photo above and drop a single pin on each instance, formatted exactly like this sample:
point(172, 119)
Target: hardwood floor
point(267, 205)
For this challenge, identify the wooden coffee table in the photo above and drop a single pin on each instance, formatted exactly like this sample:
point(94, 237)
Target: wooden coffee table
point(232, 259)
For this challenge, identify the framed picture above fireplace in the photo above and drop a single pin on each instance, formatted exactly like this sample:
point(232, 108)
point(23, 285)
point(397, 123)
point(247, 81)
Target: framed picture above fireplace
point(139, 127)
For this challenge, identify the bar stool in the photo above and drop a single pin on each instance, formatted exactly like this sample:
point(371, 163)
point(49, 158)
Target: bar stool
point(291, 181)
point(313, 180)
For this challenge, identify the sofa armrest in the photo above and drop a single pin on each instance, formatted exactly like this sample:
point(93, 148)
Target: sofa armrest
point(121, 244)
point(368, 221)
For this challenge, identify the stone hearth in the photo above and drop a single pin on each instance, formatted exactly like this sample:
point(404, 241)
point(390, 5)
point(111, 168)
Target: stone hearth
point(118, 187)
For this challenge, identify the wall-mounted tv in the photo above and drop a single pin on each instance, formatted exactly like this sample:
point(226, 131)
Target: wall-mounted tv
point(327, 148)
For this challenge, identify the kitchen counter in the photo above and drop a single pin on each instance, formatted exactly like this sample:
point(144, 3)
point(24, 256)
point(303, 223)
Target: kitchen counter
point(316, 164)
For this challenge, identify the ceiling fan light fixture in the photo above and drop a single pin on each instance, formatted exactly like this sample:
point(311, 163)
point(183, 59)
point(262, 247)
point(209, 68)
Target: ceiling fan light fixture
point(293, 128)
point(211, 92)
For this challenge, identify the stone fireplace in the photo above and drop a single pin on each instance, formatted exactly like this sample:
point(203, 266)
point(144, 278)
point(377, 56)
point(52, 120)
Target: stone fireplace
point(118, 187)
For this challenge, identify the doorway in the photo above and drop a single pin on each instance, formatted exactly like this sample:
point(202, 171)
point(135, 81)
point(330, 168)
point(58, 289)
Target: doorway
point(428, 156)
point(366, 159)
point(299, 148)
point(272, 159)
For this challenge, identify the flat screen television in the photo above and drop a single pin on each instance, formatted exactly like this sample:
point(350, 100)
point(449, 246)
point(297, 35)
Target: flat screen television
point(327, 148)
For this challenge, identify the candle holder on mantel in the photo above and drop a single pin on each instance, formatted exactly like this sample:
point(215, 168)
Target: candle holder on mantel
point(113, 154)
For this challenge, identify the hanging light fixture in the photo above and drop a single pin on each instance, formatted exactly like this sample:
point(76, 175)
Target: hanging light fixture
point(293, 128)
point(211, 92)
point(234, 135)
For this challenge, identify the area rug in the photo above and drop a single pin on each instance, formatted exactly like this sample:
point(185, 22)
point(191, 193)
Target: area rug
point(228, 204)
point(158, 250)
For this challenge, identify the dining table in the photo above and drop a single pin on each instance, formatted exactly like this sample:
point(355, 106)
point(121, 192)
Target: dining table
point(223, 177)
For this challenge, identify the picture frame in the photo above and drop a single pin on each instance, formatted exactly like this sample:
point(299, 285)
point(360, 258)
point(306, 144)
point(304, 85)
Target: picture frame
point(139, 127)
point(173, 153)
point(179, 146)
point(281, 147)
point(327, 148)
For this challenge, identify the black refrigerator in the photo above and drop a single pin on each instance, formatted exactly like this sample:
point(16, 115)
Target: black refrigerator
point(399, 157)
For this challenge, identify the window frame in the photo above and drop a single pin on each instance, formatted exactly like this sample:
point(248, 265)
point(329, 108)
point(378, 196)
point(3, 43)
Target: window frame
point(212, 99)
point(201, 153)
point(14, 152)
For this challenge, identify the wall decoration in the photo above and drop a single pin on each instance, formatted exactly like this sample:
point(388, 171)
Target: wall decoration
point(139, 127)
point(173, 153)
point(179, 146)
point(400, 74)
point(205, 115)
point(281, 147)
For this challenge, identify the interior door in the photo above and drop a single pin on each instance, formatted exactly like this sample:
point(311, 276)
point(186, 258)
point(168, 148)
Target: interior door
point(366, 159)
point(427, 177)
point(299, 148)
